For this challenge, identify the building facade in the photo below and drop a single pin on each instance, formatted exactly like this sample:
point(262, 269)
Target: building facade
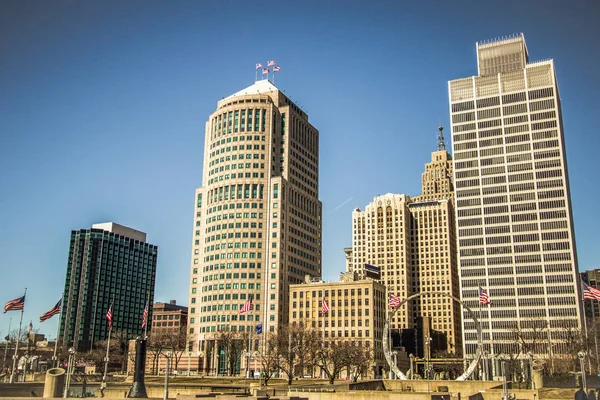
point(108, 264)
point(257, 225)
point(413, 242)
point(514, 220)
point(592, 307)
point(169, 317)
point(357, 312)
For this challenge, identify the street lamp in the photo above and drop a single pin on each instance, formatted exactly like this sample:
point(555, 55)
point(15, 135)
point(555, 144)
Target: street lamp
point(168, 365)
point(70, 368)
point(189, 357)
point(581, 356)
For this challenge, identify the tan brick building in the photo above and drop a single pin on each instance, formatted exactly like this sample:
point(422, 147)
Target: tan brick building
point(168, 316)
point(257, 225)
point(356, 314)
point(413, 242)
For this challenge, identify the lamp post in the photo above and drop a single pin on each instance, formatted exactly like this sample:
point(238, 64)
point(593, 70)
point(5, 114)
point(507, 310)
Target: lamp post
point(395, 355)
point(71, 361)
point(189, 358)
point(530, 356)
point(168, 366)
point(581, 356)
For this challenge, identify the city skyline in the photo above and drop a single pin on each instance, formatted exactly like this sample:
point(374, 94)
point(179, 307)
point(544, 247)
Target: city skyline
point(117, 112)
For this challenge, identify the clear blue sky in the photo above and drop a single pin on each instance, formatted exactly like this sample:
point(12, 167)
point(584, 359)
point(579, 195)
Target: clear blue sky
point(103, 105)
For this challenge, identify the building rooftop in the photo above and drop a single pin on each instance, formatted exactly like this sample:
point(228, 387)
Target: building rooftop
point(121, 230)
point(258, 87)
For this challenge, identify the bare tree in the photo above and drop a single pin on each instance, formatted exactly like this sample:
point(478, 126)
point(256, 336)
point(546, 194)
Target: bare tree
point(230, 342)
point(296, 347)
point(157, 343)
point(270, 357)
point(176, 343)
point(331, 357)
point(357, 359)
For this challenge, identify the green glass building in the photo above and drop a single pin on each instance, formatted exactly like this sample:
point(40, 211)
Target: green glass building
point(108, 264)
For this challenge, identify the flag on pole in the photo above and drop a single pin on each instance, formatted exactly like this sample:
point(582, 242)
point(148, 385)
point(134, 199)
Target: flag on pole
point(325, 307)
point(109, 317)
point(271, 63)
point(258, 329)
point(258, 66)
point(276, 68)
point(265, 71)
point(483, 297)
point(16, 304)
point(247, 306)
point(51, 312)
point(590, 292)
point(145, 317)
point(394, 301)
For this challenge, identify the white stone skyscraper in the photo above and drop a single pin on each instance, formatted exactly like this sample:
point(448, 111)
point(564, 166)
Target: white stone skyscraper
point(257, 225)
point(514, 222)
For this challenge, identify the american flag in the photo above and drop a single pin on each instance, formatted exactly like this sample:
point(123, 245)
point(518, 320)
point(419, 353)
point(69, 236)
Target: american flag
point(258, 66)
point(276, 68)
point(590, 292)
point(394, 301)
point(109, 317)
point(325, 307)
point(271, 63)
point(16, 304)
point(145, 317)
point(247, 306)
point(483, 297)
point(265, 71)
point(52, 312)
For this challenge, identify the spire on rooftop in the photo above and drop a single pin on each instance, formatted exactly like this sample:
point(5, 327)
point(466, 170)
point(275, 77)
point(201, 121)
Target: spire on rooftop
point(441, 143)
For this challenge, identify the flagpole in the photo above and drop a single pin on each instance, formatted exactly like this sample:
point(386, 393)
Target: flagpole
point(249, 344)
point(108, 345)
point(54, 358)
point(586, 334)
point(14, 366)
point(481, 338)
point(147, 316)
point(6, 347)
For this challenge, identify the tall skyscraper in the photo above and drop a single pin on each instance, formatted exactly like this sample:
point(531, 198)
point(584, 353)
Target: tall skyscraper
point(257, 226)
point(108, 264)
point(413, 242)
point(514, 221)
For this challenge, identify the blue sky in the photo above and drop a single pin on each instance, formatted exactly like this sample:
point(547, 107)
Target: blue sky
point(103, 105)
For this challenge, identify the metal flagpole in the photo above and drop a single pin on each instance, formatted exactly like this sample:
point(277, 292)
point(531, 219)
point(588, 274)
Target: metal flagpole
point(14, 366)
point(250, 345)
point(323, 339)
point(586, 335)
point(54, 358)
point(595, 337)
point(6, 347)
point(103, 385)
point(147, 310)
point(483, 362)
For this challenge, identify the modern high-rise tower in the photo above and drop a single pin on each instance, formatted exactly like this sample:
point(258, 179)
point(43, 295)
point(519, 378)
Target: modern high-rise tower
point(108, 264)
point(257, 226)
point(514, 221)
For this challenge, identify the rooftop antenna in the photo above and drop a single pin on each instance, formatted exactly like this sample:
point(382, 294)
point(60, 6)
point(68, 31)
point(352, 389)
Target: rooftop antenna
point(441, 144)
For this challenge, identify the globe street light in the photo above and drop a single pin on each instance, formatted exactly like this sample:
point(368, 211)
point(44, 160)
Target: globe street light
point(70, 368)
point(581, 356)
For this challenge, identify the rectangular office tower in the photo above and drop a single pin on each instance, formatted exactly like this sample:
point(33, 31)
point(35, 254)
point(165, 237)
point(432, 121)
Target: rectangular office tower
point(108, 264)
point(514, 221)
point(257, 225)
